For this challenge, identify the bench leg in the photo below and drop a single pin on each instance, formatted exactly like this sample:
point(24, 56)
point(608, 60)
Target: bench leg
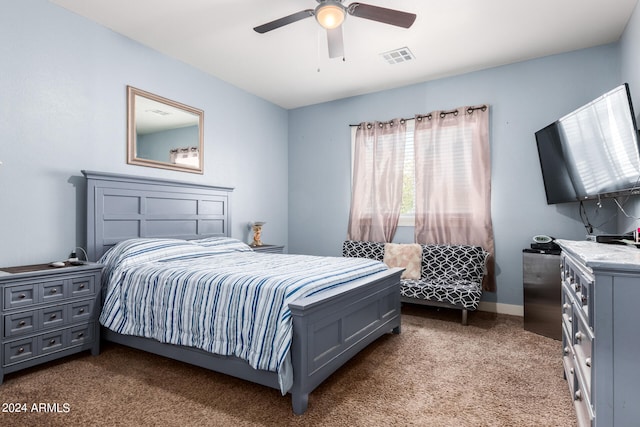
point(464, 317)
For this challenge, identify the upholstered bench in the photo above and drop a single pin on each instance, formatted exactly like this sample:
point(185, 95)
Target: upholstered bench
point(448, 275)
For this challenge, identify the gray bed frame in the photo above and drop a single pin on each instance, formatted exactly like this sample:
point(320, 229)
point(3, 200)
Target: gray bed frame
point(328, 328)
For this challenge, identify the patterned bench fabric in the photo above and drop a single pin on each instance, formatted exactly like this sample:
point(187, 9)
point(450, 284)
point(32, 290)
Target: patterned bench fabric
point(356, 249)
point(461, 293)
point(450, 273)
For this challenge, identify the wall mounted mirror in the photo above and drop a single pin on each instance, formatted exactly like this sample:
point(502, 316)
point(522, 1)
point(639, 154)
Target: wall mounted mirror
point(163, 133)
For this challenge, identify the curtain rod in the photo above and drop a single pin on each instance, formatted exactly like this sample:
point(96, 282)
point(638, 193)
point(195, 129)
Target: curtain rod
point(442, 114)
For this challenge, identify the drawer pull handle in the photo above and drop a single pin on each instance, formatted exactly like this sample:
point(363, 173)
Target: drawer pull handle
point(579, 395)
point(52, 342)
point(588, 361)
point(579, 336)
point(566, 350)
point(22, 296)
point(81, 334)
point(81, 311)
point(21, 350)
point(22, 323)
point(54, 291)
point(53, 316)
point(584, 300)
point(566, 306)
point(571, 371)
point(570, 319)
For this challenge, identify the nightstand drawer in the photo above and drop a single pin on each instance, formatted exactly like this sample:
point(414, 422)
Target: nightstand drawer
point(51, 291)
point(81, 334)
point(19, 350)
point(82, 286)
point(20, 296)
point(53, 341)
point(52, 317)
point(20, 323)
point(47, 318)
point(34, 347)
point(81, 310)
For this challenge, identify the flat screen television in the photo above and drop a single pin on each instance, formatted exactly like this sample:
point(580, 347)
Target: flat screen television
point(592, 152)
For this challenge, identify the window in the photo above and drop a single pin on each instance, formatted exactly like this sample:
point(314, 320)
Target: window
point(452, 163)
point(408, 207)
point(440, 185)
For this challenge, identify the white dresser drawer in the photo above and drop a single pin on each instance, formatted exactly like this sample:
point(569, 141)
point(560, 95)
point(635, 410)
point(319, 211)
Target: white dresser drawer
point(579, 282)
point(583, 349)
point(582, 402)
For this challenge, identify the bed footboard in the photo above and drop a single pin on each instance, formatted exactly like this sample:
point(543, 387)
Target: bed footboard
point(328, 330)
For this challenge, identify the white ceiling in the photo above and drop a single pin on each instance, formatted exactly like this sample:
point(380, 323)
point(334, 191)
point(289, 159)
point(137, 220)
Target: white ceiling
point(290, 66)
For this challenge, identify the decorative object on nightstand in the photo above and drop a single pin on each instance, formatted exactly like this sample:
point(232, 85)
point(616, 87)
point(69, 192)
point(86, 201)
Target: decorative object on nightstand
point(48, 313)
point(73, 257)
point(257, 231)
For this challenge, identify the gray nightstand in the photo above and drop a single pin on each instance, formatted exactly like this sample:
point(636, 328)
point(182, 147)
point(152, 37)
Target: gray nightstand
point(47, 313)
point(276, 249)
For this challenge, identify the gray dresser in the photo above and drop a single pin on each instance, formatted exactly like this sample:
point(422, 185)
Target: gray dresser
point(600, 338)
point(47, 313)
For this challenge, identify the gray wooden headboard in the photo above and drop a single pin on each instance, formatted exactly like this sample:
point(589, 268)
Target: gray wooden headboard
point(121, 207)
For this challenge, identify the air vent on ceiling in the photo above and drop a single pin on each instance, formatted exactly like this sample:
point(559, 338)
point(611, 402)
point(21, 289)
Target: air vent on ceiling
point(396, 56)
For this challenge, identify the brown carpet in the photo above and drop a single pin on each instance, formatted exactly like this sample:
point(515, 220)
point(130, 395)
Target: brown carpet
point(436, 373)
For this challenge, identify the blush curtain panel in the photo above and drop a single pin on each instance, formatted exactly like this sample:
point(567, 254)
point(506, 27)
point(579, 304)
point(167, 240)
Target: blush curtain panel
point(453, 180)
point(377, 180)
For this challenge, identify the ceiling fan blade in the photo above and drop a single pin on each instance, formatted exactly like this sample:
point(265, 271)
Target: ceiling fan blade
point(334, 40)
point(284, 21)
point(382, 14)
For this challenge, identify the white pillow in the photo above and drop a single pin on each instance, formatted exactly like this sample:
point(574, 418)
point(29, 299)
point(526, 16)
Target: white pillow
point(407, 256)
point(222, 244)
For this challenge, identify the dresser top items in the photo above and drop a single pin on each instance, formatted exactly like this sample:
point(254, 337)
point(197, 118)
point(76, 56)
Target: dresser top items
point(603, 255)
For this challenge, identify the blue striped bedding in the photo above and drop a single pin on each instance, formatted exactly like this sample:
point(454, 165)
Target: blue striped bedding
point(218, 295)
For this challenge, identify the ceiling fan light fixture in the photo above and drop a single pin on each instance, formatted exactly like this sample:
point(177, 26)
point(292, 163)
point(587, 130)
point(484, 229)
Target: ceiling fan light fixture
point(330, 14)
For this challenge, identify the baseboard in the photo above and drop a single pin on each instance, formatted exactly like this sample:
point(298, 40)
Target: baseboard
point(494, 307)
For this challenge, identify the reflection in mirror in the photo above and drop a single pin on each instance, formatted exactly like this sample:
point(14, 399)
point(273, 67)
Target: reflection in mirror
point(163, 133)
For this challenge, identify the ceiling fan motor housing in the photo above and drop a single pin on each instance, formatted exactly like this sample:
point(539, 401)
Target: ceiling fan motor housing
point(330, 14)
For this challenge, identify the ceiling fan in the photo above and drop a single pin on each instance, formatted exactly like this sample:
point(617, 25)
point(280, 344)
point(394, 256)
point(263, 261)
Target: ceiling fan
point(330, 14)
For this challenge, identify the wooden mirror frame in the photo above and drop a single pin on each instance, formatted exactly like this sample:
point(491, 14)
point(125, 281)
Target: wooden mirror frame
point(134, 121)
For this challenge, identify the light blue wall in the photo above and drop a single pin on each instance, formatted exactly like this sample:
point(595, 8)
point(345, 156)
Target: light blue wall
point(63, 109)
point(523, 98)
